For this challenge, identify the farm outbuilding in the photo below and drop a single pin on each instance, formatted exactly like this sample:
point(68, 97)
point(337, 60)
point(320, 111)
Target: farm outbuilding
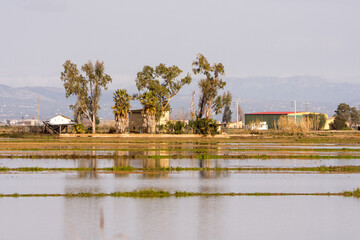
point(136, 121)
point(271, 118)
point(58, 124)
point(60, 120)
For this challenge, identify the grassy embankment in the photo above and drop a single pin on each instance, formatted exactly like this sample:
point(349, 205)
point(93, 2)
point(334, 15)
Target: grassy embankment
point(321, 169)
point(152, 193)
point(241, 136)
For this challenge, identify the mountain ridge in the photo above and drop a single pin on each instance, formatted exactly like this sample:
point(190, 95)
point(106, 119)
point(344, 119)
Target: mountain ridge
point(253, 93)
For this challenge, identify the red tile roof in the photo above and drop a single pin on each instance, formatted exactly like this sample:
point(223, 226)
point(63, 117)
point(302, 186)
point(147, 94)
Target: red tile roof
point(272, 113)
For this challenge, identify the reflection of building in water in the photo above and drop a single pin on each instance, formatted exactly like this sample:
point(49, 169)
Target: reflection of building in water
point(87, 163)
point(156, 163)
point(121, 153)
point(151, 163)
point(82, 218)
point(121, 162)
point(83, 181)
point(150, 151)
point(206, 163)
point(212, 163)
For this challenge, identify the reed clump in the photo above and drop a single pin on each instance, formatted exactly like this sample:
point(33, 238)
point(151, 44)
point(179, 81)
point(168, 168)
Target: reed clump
point(354, 193)
point(144, 193)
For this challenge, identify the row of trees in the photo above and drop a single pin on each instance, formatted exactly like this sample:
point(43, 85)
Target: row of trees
point(156, 88)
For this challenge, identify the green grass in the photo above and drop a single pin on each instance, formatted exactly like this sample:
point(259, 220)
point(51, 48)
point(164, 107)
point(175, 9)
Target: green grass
point(269, 136)
point(153, 193)
point(321, 169)
point(354, 193)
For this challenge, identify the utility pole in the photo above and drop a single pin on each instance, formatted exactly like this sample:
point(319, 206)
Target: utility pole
point(38, 109)
point(294, 105)
point(237, 114)
point(307, 107)
point(295, 110)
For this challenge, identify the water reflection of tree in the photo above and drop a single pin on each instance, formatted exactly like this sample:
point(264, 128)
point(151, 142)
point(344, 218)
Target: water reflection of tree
point(91, 164)
point(87, 163)
point(72, 181)
point(151, 163)
point(155, 165)
point(76, 210)
point(212, 163)
point(121, 162)
point(207, 163)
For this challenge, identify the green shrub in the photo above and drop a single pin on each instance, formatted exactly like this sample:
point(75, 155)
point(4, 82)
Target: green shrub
point(78, 128)
point(204, 126)
point(339, 123)
point(179, 127)
point(112, 129)
point(173, 128)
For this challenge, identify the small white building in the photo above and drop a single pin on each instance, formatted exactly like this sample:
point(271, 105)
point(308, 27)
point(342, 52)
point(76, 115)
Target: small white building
point(60, 120)
point(259, 126)
point(58, 124)
point(238, 124)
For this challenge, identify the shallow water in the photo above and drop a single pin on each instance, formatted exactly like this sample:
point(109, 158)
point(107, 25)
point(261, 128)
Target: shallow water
point(257, 218)
point(245, 217)
point(183, 163)
point(202, 181)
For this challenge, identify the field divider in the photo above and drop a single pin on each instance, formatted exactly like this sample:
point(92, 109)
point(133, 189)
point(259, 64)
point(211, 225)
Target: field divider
point(152, 193)
point(177, 156)
point(321, 169)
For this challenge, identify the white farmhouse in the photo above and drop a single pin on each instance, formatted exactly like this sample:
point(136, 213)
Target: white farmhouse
point(58, 124)
point(60, 120)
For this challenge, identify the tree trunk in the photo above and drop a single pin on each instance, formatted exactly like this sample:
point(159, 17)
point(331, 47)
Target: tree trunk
point(148, 122)
point(78, 118)
point(208, 110)
point(121, 124)
point(93, 124)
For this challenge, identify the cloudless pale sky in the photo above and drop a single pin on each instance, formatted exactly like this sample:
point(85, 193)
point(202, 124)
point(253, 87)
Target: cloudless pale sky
point(250, 37)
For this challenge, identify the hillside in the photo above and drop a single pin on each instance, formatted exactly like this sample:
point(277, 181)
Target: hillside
point(253, 93)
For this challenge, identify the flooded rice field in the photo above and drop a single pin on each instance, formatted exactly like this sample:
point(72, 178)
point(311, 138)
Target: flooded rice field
point(38, 178)
point(296, 218)
point(174, 163)
point(199, 181)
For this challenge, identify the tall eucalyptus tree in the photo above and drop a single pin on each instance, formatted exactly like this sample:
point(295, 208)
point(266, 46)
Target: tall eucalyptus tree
point(87, 88)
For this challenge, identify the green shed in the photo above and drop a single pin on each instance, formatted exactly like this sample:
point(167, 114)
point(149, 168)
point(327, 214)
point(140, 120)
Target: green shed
point(270, 118)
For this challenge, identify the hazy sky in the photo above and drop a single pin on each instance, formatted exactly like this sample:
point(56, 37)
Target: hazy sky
point(250, 37)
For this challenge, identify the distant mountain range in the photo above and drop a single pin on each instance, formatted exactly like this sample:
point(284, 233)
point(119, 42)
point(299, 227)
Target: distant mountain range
point(253, 93)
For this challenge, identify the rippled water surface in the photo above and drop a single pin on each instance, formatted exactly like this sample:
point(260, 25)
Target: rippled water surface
point(202, 181)
point(183, 163)
point(257, 218)
point(237, 217)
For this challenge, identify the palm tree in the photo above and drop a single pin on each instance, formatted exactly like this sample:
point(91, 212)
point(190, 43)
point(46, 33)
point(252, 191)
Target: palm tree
point(149, 102)
point(121, 109)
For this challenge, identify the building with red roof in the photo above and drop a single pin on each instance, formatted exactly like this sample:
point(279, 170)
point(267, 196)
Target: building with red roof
point(271, 118)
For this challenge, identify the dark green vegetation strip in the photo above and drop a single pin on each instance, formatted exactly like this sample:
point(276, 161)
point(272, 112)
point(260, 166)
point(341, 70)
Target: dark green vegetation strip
point(241, 136)
point(265, 156)
point(322, 169)
point(151, 193)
